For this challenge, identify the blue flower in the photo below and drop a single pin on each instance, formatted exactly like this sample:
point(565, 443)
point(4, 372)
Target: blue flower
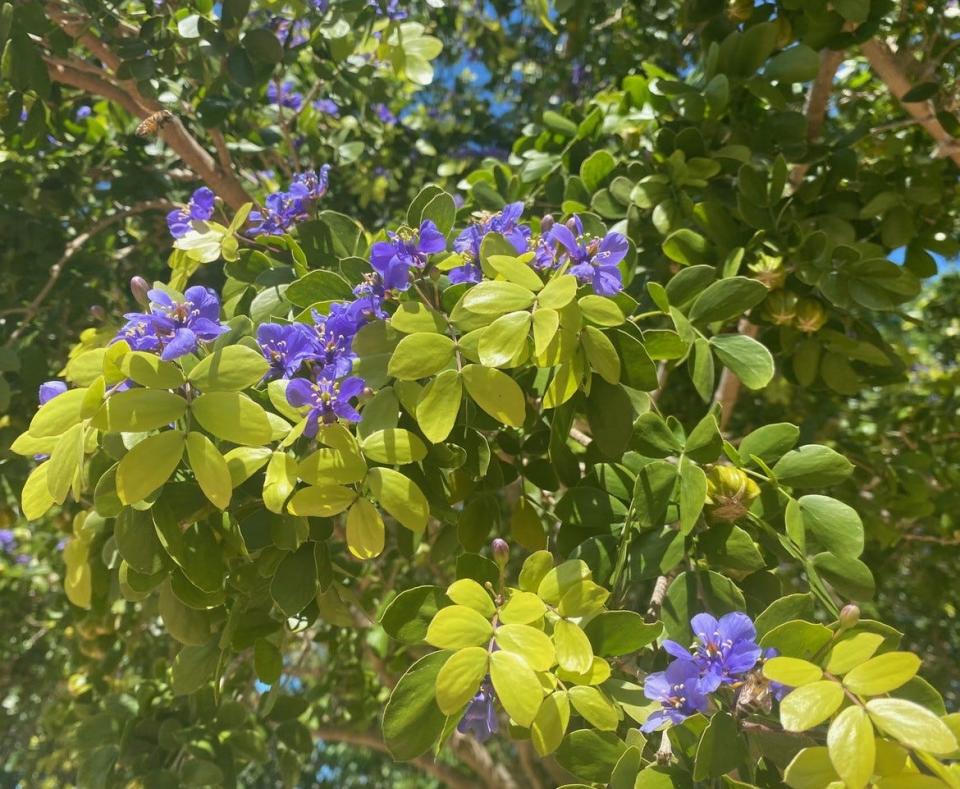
point(311, 185)
point(392, 259)
point(283, 209)
point(480, 718)
point(286, 347)
point(384, 114)
point(592, 260)
point(388, 8)
point(283, 94)
point(725, 649)
point(368, 306)
point(334, 333)
point(7, 540)
point(506, 223)
point(328, 400)
point(175, 328)
point(83, 112)
point(49, 390)
point(327, 107)
point(199, 209)
point(681, 692)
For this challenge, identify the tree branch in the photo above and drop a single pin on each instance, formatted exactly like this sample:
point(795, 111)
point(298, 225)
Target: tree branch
point(74, 246)
point(441, 772)
point(884, 62)
point(816, 106)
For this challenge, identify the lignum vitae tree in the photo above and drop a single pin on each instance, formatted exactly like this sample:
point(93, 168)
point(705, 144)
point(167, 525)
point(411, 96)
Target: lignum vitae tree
point(299, 475)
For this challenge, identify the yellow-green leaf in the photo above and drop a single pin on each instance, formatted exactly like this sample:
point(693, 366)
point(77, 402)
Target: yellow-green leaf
point(852, 747)
point(563, 385)
point(515, 271)
point(496, 393)
point(516, 686)
point(279, 481)
point(233, 417)
point(394, 445)
point(365, 530)
point(420, 355)
point(558, 292)
point(526, 527)
point(810, 769)
point(533, 645)
point(148, 465)
point(882, 674)
point(551, 722)
point(56, 416)
point(582, 599)
point(412, 317)
point(439, 405)
point(502, 342)
point(229, 369)
point(138, 410)
point(340, 465)
point(244, 462)
point(595, 707)
point(400, 496)
point(852, 650)
point(78, 579)
point(598, 673)
point(468, 592)
point(574, 652)
point(522, 608)
point(459, 679)
point(149, 370)
point(65, 461)
point(601, 354)
point(811, 705)
point(458, 626)
point(35, 498)
point(557, 581)
point(601, 310)
point(792, 672)
point(912, 725)
point(496, 298)
point(546, 322)
point(321, 501)
point(210, 469)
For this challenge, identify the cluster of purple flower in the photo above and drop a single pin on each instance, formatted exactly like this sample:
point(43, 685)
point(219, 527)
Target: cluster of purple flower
point(593, 261)
point(199, 209)
point(283, 209)
point(8, 544)
point(325, 351)
point(389, 8)
point(284, 94)
point(327, 107)
point(724, 652)
point(406, 249)
point(174, 328)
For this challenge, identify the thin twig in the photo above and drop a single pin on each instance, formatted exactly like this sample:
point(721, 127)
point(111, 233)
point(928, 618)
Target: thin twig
point(74, 246)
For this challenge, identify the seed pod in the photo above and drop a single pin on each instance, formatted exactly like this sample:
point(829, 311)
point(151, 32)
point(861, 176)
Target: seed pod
point(730, 492)
point(780, 308)
point(811, 316)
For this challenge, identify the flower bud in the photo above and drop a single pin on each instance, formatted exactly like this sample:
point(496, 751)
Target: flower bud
point(770, 271)
point(780, 308)
point(810, 315)
point(97, 312)
point(571, 223)
point(547, 223)
point(501, 552)
point(139, 287)
point(849, 616)
point(730, 492)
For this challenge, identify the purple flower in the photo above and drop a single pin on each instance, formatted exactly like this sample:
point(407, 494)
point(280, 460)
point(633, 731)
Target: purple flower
point(725, 649)
point(283, 94)
point(468, 272)
point(679, 689)
point(174, 328)
point(388, 8)
point(49, 390)
point(334, 333)
point(384, 114)
point(506, 223)
point(83, 112)
point(328, 400)
point(199, 209)
point(593, 261)
point(327, 107)
point(283, 209)
point(480, 718)
point(286, 347)
point(23, 558)
point(392, 259)
point(368, 306)
point(7, 540)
